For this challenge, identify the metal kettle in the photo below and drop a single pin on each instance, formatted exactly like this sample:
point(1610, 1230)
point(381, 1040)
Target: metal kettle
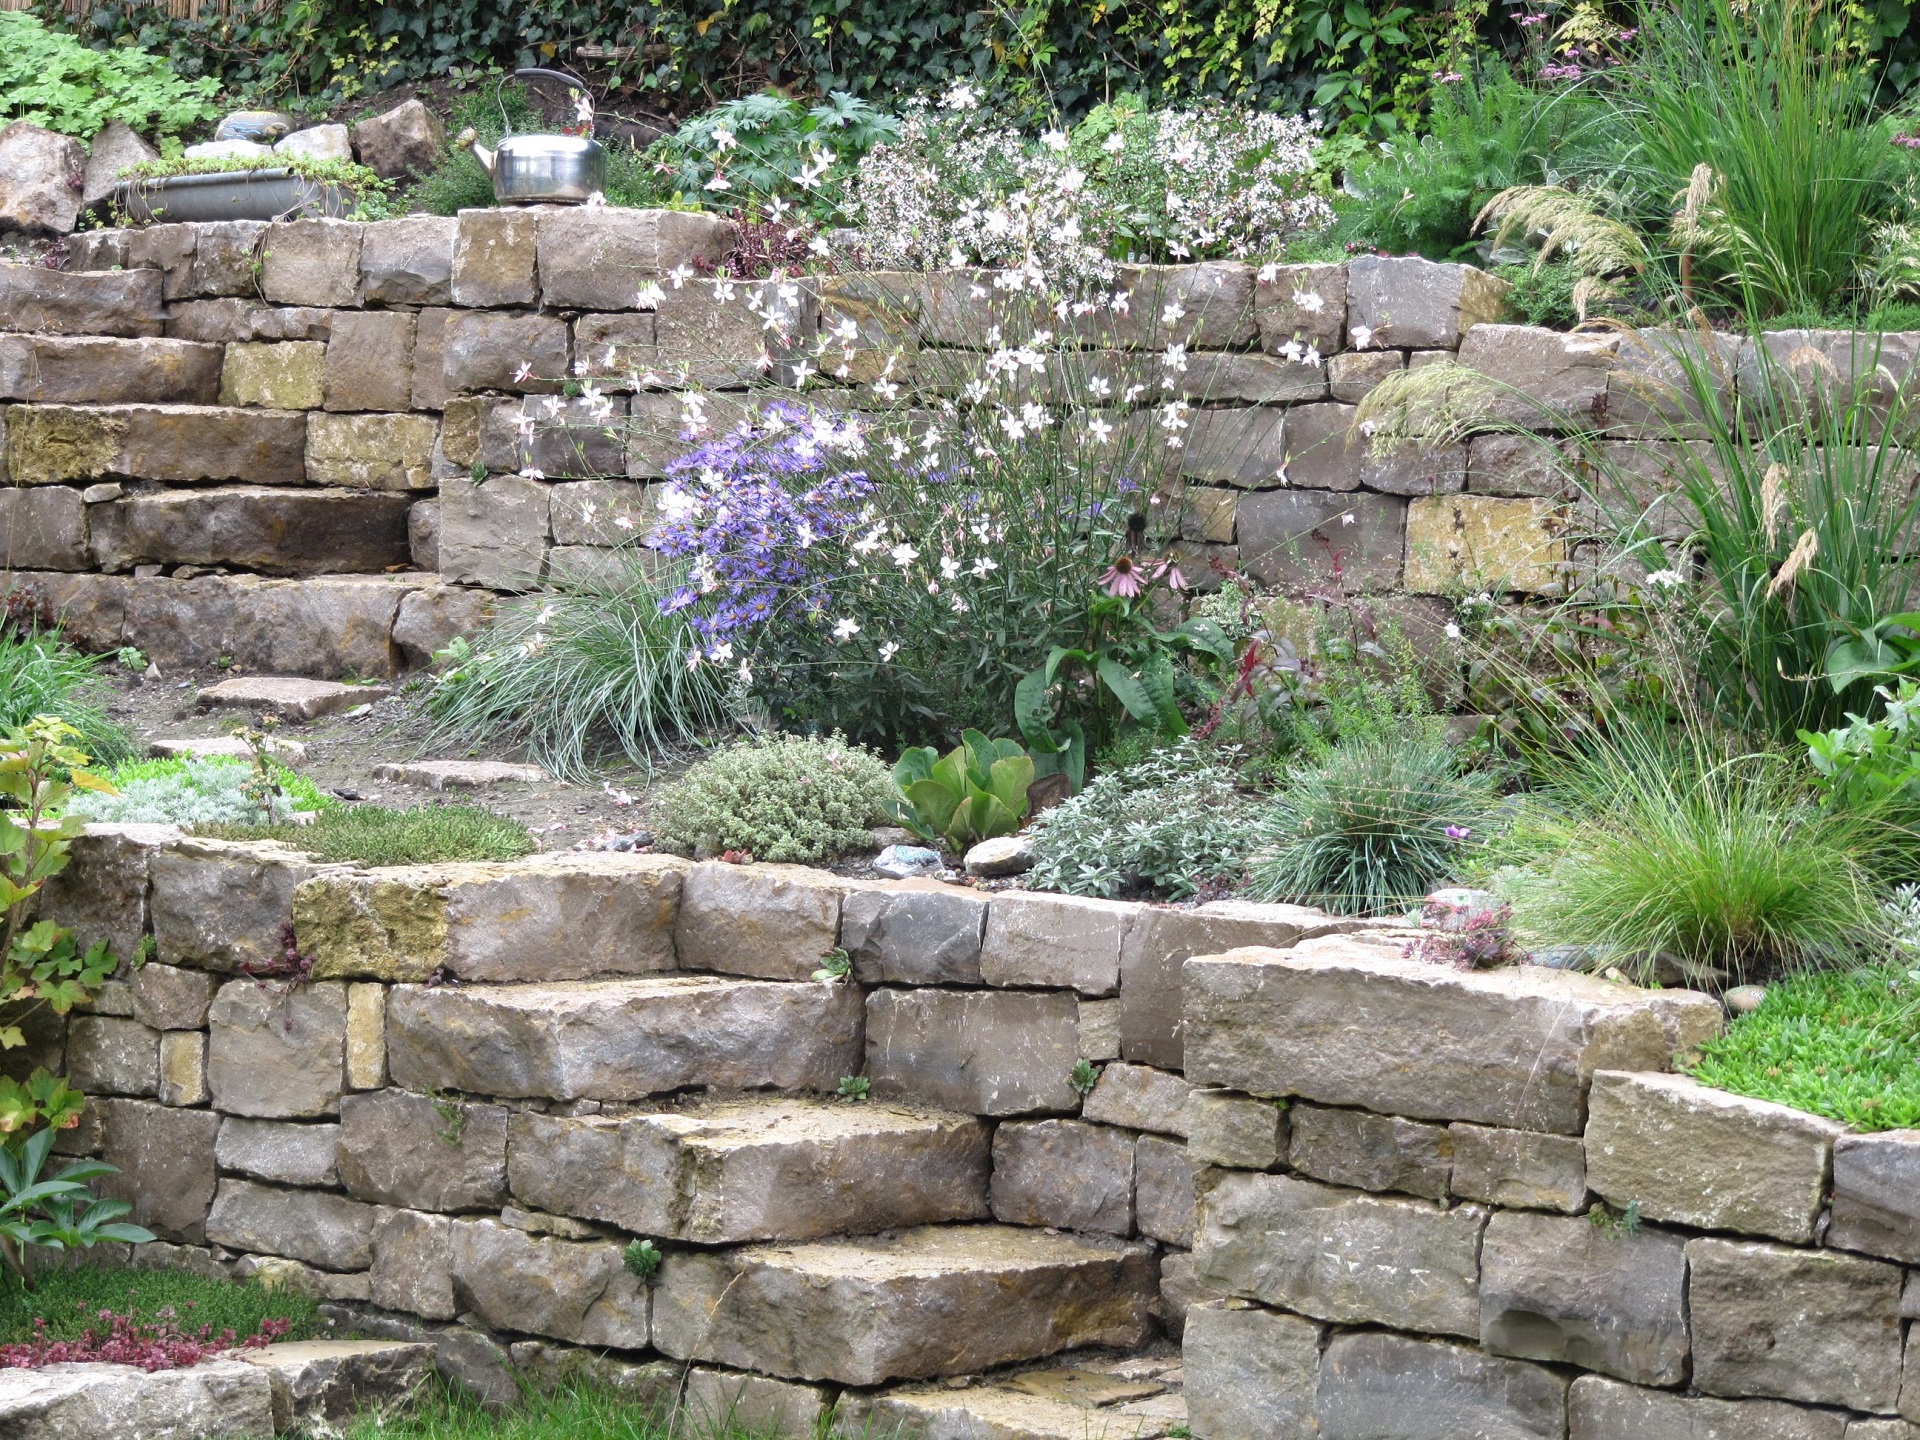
point(542, 169)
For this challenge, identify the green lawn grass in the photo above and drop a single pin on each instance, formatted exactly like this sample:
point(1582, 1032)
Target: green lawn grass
point(1842, 1044)
point(374, 835)
point(71, 1300)
point(572, 1413)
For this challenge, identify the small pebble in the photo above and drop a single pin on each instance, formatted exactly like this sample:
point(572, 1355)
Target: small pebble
point(1744, 999)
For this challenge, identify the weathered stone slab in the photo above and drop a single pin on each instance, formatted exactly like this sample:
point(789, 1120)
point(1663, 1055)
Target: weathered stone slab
point(44, 528)
point(558, 438)
point(1811, 1325)
point(371, 452)
point(622, 1039)
point(1163, 1200)
point(914, 932)
point(229, 1398)
point(165, 1157)
point(1140, 1098)
point(1375, 1385)
point(1519, 1168)
point(1549, 379)
point(936, 1300)
point(1243, 1132)
point(183, 1068)
point(101, 303)
point(727, 1171)
point(1370, 1152)
point(272, 1150)
point(598, 259)
point(332, 1381)
point(549, 917)
point(1876, 1194)
point(1340, 1255)
point(778, 1409)
point(111, 1056)
point(50, 370)
point(494, 255)
point(290, 697)
point(423, 1153)
point(1302, 304)
point(60, 444)
point(1293, 538)
point(1352, 375)
point(238, 321)
point(1564, 1289)
point(328, 1231)
point(494, 534)
point(275, 1050)
point(1061, 941)
point(263, 528)
point(370, 360)
point(311, 262)
point(169, 998)
point(1484, 542)
point(493, 350)
point(1407, 302)
point(540, 1286)
point(1348, 1023)
point(775, 922)
point(103, 892)
point(1688, 1153)
point(1250, 1374)
point(983, 1052)
point(1603, 1409)
point(413, 1264)
point(1063, 1173)
point(726, 335)
point(408, 261)
point(984, 1412)
point(652, 1385)
point(285, 376)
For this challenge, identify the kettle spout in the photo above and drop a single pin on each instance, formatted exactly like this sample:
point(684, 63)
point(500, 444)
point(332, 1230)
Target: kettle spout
point(471, 140)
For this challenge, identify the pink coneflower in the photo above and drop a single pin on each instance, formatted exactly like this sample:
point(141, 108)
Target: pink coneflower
point(1168, 571)
point(1123, 578)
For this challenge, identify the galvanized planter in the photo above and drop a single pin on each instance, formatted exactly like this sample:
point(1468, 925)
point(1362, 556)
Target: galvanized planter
point(268, 194)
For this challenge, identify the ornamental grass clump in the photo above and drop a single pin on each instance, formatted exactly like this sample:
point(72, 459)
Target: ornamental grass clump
point(786, 798)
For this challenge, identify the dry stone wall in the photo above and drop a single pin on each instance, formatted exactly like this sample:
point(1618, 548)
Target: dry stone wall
point(1383, 1199)
point(323, 447)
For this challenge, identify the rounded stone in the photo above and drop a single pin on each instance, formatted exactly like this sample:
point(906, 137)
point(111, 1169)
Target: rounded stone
point(1744, 999)
point(1004, 855)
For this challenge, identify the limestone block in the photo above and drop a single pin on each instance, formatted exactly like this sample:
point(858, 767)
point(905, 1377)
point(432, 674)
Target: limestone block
point(1243, 1132)
point(1549, 379)
point(494, 534)
point(110, 1056)
point(276, 1150)
point(429, 618)
point(42, 177)
point(1407, 302)
point(102, 894)
point(548, 917)
point(1099, 1030)
point(728, 1171)
point(493, 257)
point(215, 1397)
point(1215, 377)
point(1347, 1023)
point(260, 527)
point(57, 370)
point(1374, 1385)
point(169, 998)
point(44, 528)
point(406, 140)
point(207, 260)
point(492, 350)
point(371, 452)
point(1163, 1190)
point(1684, 1152)
point(366, 1037)
point(311, 262)
point(936, 1300)
point(1065, 1174)
point(771, 921)
point(535, 1285)
point(413, 1264)
point(1058, 941)
point(1603, 1409)
point(275, 1052)
point(1140, 1098)
point(779, 1409)
point(55, 302)
point(598, 259)
point(559, 438)
point(1246, 448)
point(601, 512)
point(1208, 305)
point(423, 1153)
point(1340, 1255)
point(329, 1231)
point(370, 360)
point(1563, 1289)
point(718, 333)
point(1295, 538)
point(284, 376)
point(56, 444)
point(1519, 1168)
point(1250, 1374)
point(408, 261)
point(1412, 469)
point(1876, 1194)
point(1812, 1325)
point(430, 360)
point(97, 249)
point(1305, 304)
point(1160, 941)
point(1352, 375)
point(237, 321)
point(619, 351)
point(622, 1039)
point(913, 933)
point(1483, 542)
point(165, 1159)
point(1661, 378)
point(331, 1382)
point(183, 1068)
point(1371, 1152)
point(983, 1052)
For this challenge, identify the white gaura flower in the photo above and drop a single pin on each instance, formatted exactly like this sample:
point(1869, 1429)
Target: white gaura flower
point(1453, 631)
point(1269, 273)
point(723, 291)
point(649, 296)
point(1175, 359)
point(949, 568)
point(1055, 140)
point(845, 629)
point(721, 653)
point(1099, 387)
point(904, 554)
point(1348, 518)
point(889, 650)
point(1114, 144)
point(1667, 579)
point(679, 275)
point(984, 566)
point(1362, 336)
point(1310, 301)
point(521, 375)
point(804, 534)
point(718, 182)
point(1172, 312)
point(887, 391)
point(870, 542)
point(530, 473)
point(1099, 429)
point(596, 201)
point(960, 607)
point(801, 370)
point(723, 140)
point(625, 522)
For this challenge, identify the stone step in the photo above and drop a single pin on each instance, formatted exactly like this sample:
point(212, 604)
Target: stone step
point(90, 370)
point(272, 529)
point(209, 747)
point(460, 774)
point(727, 1171)
point(321, 1383)
point(290, 697)
point(229, 1398)
point(913, 1304)
point(617, 1040)
point(85, 302)
point(996, 1412)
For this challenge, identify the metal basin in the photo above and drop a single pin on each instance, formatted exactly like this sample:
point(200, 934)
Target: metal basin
point(273, 194)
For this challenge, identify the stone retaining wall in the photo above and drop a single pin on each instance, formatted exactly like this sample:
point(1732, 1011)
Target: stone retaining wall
point(1384, 1199)
point(191, 409)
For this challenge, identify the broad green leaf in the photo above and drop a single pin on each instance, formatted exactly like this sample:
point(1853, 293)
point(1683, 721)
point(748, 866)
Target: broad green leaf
point(934, 803)
point(1008, 782)
point(1128, 690)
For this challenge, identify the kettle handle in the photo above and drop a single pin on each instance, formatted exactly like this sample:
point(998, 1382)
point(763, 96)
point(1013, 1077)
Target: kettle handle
point(526, 72)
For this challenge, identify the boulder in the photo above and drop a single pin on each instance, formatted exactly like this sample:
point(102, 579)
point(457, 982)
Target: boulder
point(116, 147)
point(1249, 1374)
point(102, 895)
point(1302, 304)
point(113, 1056)
point(317, 142)
point(311, 262)
point(406, 140)
point(373, 452)
point(1409, 303)
point(370, 360)
point(571, 1291)
point(56, 444)
point(598, 259)
point(56, 302)
point(723, 1400)
point(413, 1264)
point(264, 528)
point(119, 1402)
point(170, 998)
point(1290, 538)
point(1163, 1190)
point(1484, 542)
point(42, 179)
point(494, 253)
point(183, 1068)
point(285, 376)
point(494, 534)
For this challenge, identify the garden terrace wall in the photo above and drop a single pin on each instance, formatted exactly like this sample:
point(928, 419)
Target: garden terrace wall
point(262, 441)
point(1382, 1197)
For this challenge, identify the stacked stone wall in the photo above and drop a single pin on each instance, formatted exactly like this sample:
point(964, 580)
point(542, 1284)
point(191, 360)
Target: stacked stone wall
point(324, 446)
point(1382, 1198)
